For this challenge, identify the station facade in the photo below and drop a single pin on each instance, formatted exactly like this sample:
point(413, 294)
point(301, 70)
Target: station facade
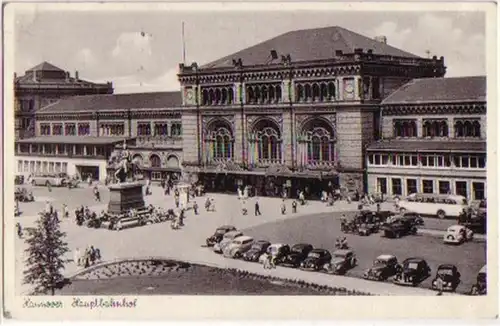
point(294, 112)
point(45, 84)
point(433, 139)
point(79, 135)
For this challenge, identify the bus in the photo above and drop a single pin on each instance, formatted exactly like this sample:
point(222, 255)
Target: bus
point(442, 206)
point(55, 180)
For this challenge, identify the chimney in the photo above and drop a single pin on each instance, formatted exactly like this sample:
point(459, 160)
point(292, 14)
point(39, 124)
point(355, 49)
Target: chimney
point(35, 79)
point(381, 39)
point(67, 75)
point(76, 75)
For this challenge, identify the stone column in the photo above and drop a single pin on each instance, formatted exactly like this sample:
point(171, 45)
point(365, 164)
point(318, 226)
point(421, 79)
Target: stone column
point(237, 91)
point(451, 128)
point(84, 149)
point(339, 85)
point(419, 128)
point(285, 94)
point(358, 86)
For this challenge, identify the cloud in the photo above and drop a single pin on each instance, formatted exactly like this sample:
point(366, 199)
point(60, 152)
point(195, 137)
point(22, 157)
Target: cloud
point(85, 58)
point(139, 83)
point(133, 53)
point(464, 53)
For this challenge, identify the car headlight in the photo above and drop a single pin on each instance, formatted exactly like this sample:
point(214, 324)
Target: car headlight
point(449, 283)
point(302, 264)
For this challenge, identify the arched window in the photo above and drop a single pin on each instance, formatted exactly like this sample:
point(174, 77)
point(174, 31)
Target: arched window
point(230, 94)
point(315, 92)
point(405, 128)
point(331, 90)
point(219, 141)
point(468, 128)
point(267, 141)
point(435, 128)
point(443, 129)
point(300, 93)
point(272, 94)
point(250, 95)
point(155, 161)
point(224, 96)
point(258, 95)
point(308, 92)
point(324, 92)
point(459, 129)
point(398, 129)
point(265, 95)
point(218, 96)
point(176, 129)
point(211, 97)
point(317, 143)
point(137, 158)
point(278, 93)
point(205, 97)
point(476, 129)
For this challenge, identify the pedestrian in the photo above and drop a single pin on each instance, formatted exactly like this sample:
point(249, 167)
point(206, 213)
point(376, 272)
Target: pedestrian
point(49, 187)
point(64, 211)
point(76, 256)
point(283, 208)
point(257, 208)
point(98, 254)
point(92, 255)
point(244, 209)
point(378, 207)
point(396, 203)
point(439, 286)
point(19, 230)
point(294, 207)
point(195, 208)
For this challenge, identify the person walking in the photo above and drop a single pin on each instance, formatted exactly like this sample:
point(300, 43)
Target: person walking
point(19, 230)
point(257, 208)
point(294, 207)
point(195, 208)
point(283, 208)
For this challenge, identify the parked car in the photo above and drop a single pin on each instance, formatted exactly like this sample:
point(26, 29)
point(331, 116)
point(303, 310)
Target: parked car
point(342, 261)
point(238, 247)
point(277, 250)
point(297, 255)
point(413, 272)
point(22, 195)
point(219, 234)
point(480, 288)
point(226, 240)
point(258, 248)
point(449, 276)
point(458, 234)
point(316, 260)
point(19, 179)
point(398, 228)
point(384, 266)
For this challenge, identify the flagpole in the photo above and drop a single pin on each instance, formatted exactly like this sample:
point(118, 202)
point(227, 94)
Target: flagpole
point(183, 45)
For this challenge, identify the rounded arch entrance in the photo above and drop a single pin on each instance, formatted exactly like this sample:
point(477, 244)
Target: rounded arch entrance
point(173, 162)
point(316, 143)
point(265, 142)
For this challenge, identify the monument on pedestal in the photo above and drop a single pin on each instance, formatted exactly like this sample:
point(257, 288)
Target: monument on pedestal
point(127, 193)
point(183, 186)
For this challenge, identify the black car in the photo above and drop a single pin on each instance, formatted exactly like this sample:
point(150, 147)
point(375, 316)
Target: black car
point(257, 249)
point(316, 260)
point(413, 272)
point(480, 288)
point(219, 234)
point(383, 267)
point(297, 254)
point(449, 277)
point(399, 227)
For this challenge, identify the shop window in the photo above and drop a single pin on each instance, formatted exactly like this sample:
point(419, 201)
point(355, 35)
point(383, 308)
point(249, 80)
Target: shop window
point(428, 186)
point(32, 167)
point(478, 190)
point(26, 166)
point(461, 188)
point(64, 168)
point(397, 187)
point(444, 187)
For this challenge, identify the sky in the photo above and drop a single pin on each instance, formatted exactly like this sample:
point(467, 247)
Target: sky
point(141, 51)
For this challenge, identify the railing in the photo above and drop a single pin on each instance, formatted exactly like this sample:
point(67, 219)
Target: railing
point(311, 164)
point(68, 155)
point(268, 162)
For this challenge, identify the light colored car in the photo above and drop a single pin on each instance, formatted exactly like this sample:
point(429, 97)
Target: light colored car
point(458, 234)
point(226, 240)
point(238, 247)
point(55, 180)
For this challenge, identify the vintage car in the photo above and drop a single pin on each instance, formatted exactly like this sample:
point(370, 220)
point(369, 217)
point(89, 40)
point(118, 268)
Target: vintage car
point(384, 266)
point(277, 250)
point(342, 261)
point(413, 272)
point(19, 179)
point(297, 254)
point(226, 240)
point(238, 247)
point(480, 287)
point(219, 234)
point(258, 248)
point(399, 227)
point(458, 234)
point(316, 260)
point(54, 180)
point(22, 195)
point(449, 277)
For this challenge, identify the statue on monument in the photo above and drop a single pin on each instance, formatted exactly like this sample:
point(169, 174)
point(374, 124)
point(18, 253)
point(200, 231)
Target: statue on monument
point(125, 167)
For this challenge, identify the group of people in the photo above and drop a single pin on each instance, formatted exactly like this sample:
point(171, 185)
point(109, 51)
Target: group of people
point(89, 257)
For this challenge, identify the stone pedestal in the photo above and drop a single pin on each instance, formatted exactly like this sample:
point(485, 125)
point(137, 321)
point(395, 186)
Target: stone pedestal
point(124, 196)
point(183, 193)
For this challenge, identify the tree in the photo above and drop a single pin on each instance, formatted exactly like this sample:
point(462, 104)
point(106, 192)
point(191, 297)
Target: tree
point(46, 250)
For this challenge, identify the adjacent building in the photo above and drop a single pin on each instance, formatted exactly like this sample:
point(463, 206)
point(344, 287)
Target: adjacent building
point(79, 135)
point(45, 84)
point(296, 111)
point(433, 139)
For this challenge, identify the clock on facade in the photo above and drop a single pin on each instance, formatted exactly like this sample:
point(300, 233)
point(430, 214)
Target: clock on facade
point(189, 95)
point(349, 87)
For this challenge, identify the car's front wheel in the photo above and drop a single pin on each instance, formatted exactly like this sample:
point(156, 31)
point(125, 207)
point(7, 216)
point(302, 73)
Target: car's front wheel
point(441, 214)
